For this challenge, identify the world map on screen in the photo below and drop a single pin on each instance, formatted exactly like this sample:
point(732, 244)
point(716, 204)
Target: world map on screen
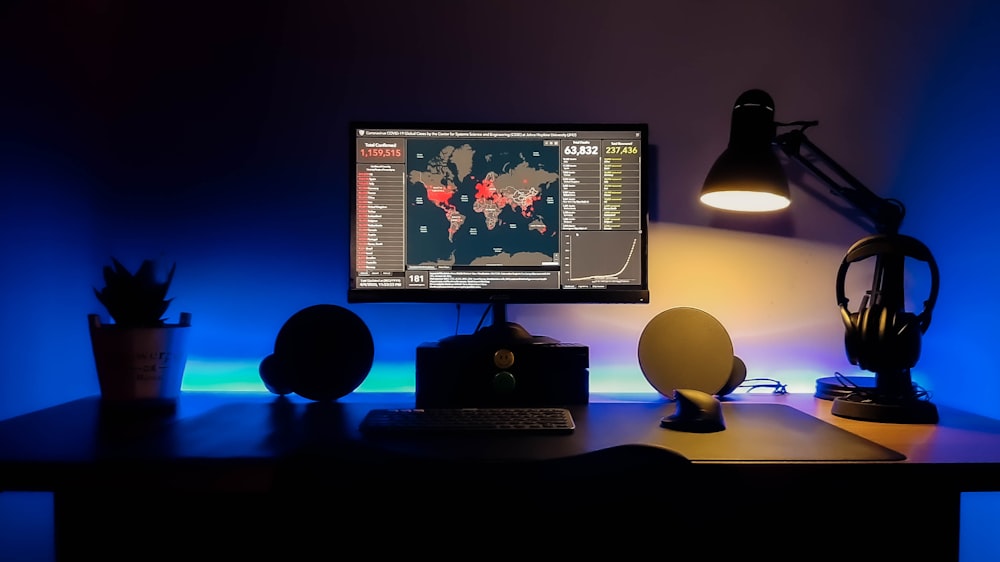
point(482, 202)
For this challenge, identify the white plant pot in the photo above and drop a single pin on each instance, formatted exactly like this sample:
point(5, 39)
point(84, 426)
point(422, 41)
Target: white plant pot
point(140, 365)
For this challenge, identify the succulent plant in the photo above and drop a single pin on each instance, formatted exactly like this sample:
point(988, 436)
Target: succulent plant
point(135, 300)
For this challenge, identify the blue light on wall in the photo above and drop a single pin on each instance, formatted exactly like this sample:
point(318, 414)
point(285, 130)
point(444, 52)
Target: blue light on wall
point(949, 180)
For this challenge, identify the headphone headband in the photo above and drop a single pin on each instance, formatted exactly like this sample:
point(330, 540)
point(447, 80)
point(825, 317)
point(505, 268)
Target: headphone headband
point(891, 244)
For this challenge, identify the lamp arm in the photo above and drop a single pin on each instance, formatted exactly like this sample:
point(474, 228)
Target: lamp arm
point(885, 214)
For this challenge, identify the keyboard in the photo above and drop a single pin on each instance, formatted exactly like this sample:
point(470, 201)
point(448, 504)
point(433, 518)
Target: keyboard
point(534, 421)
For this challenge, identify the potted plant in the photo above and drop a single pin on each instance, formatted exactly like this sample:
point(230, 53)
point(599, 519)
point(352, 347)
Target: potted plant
point(139, 357)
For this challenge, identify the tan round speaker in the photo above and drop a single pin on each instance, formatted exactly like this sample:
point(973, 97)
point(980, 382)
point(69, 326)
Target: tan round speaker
point(686, 347)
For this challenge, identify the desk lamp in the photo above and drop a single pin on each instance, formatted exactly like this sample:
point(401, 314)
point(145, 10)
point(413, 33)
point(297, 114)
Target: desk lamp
point(881, 337)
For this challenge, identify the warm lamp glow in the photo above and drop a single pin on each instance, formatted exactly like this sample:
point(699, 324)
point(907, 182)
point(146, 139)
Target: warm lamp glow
point(747, 201)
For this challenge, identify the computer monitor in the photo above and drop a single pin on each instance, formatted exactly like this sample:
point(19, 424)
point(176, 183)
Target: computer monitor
point(499, 214)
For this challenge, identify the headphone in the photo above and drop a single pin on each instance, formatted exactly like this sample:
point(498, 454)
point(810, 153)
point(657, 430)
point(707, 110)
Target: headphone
point(877, 338)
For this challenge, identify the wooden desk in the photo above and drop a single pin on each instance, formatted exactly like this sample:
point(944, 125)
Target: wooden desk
point(228, 469)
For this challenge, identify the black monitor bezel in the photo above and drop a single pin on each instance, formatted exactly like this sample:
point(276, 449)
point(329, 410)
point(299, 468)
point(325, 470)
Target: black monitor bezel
point(632, 295)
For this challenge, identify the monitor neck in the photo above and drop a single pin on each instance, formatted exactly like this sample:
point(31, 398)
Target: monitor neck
point(502, 330)
point(500, 333)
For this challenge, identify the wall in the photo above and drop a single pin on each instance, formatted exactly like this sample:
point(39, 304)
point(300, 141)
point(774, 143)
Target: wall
point(214, 136)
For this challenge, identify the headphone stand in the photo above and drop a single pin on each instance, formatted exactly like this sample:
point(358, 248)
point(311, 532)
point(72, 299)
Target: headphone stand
point(882, 337)
point(894, 399)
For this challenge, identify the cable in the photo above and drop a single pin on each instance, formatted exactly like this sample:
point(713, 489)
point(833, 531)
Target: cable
point(844, 381)
point(482, 318)
point(777, 386)
point(458, 317)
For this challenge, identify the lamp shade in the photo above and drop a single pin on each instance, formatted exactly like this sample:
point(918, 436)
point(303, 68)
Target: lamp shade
point(748, 175)
point(746, 180)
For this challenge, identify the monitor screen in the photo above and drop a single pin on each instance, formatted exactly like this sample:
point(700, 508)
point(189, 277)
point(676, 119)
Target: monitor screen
point(499, 213)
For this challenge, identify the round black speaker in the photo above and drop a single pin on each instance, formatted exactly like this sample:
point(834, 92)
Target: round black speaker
point(322, 352)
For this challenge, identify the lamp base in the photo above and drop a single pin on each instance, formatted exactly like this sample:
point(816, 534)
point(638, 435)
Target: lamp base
point(867, 408)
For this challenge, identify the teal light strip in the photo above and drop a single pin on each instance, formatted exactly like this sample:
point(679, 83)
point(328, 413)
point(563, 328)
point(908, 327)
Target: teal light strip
point(241, 375)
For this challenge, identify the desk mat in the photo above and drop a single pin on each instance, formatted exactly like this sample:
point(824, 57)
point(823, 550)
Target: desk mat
point(754, 433)
point(773, 433)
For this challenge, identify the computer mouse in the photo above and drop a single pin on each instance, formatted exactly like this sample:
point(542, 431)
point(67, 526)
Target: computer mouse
point(697, 412)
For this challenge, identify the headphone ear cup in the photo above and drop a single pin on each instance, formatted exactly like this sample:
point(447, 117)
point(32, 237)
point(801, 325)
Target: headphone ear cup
point(870, 323)
point(852, 335)
point(887, 342)
point(903, 340)
point(873, 322)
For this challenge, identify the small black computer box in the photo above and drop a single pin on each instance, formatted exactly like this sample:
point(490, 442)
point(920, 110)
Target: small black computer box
point(479, 374)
